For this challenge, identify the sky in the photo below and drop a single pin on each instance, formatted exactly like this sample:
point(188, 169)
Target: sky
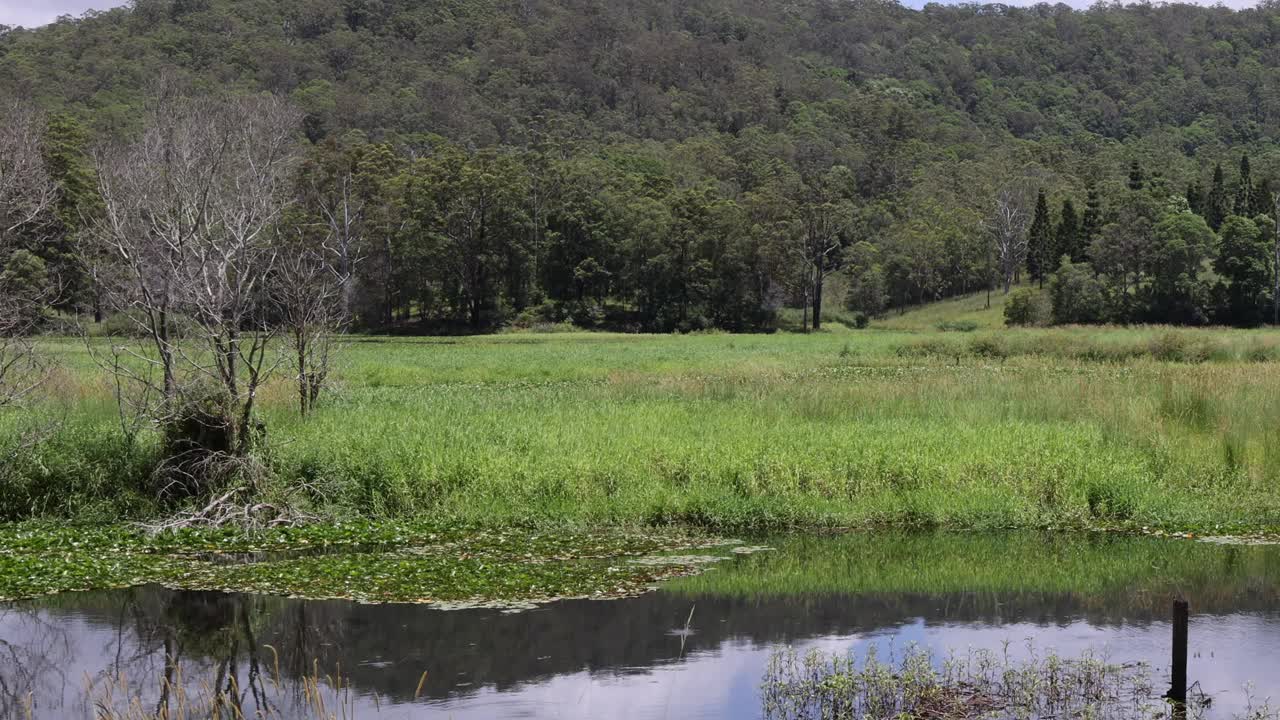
point(32, 13)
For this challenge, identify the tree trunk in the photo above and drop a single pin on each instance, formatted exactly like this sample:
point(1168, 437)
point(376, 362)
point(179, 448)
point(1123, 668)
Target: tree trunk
point(303, 390)
point(819, 267)
point(1275, 269)
point(804, 312)
point(166, 357)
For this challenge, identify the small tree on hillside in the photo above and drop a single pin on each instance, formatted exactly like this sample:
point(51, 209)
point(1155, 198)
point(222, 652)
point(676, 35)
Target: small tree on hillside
point(1040, 242)
point(1066, 235)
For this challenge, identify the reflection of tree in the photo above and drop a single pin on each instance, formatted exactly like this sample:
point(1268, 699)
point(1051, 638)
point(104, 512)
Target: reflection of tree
point(236, 643)
point(33, 653)
point(174, 651)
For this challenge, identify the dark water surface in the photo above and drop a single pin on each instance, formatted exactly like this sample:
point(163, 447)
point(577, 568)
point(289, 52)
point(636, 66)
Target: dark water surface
point(697, 648)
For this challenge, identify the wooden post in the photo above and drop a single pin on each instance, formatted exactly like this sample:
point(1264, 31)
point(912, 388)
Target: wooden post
point(1178, 692)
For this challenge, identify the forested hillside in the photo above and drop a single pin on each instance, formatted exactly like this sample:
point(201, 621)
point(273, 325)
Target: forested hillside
point(654, 165)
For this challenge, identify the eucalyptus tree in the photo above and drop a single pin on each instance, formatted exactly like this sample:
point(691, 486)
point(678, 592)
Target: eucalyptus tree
point(827, 215)
point(1008, 222)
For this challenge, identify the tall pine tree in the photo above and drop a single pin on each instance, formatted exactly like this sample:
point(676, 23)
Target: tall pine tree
point(1218, 205)
point(1195, 198)
point(1264, 200)
point(1135, 175)
point(1040, 246)
point(1067, 237)
point(1243, 205)
point(1091, 223)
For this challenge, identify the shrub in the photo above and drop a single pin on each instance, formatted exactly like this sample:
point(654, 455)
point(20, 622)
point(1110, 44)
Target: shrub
point(1169, 347)
point(131, 325)
point(1259, 351)
point(868, 291)
point(932, 347)
point(1076, 295)
point(989, 346)
point(1025, 307)
point(861, 321)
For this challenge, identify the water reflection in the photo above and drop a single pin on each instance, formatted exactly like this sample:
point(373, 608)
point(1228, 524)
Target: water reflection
point(696, 649)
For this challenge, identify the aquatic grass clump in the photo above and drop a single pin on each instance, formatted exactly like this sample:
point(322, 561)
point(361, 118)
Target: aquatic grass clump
point(447, 567)
point(979, 684)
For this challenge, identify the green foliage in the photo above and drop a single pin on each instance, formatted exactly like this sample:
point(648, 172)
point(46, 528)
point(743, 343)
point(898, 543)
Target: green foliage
point(1040, 241)
point(26, 284)
point(1244, 264)
point(1218, 205)
point(1076, 295)
point(1067, 241)
point(831, 685)
point(714, 189)
point(1183, 244)
point(1024, 307)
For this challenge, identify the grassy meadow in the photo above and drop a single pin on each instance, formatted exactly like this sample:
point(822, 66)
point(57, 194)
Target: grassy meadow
point(900, 424)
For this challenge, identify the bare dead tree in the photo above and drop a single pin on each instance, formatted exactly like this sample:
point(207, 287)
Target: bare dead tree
point(235, 260)
point(27, 194)
point(309, 294)
point(1008, 225)
point(189, 218)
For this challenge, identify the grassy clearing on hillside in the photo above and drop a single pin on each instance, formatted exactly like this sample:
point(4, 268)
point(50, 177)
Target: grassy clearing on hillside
point(1012, 428)
point(967, 308)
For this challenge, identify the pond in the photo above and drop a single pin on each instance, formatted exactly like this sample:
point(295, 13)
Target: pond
point(698, 647)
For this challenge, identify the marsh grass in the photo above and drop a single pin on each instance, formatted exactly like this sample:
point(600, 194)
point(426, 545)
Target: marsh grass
point(1016, 428)
point(978, 684)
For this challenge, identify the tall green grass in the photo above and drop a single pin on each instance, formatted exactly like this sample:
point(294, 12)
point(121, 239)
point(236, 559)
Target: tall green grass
point(1019, 428)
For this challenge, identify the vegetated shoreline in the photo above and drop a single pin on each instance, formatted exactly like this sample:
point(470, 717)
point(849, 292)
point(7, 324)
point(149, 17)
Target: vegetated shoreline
point(907, 426)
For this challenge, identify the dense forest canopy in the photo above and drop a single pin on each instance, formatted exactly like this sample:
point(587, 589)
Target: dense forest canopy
point(702, 163)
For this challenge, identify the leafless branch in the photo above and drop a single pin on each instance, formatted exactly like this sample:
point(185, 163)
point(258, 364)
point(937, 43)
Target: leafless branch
point(191, 208)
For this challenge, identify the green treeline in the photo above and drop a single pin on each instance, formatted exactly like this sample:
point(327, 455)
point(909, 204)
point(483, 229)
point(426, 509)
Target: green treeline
point(1190, 258)
point(655, 166)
